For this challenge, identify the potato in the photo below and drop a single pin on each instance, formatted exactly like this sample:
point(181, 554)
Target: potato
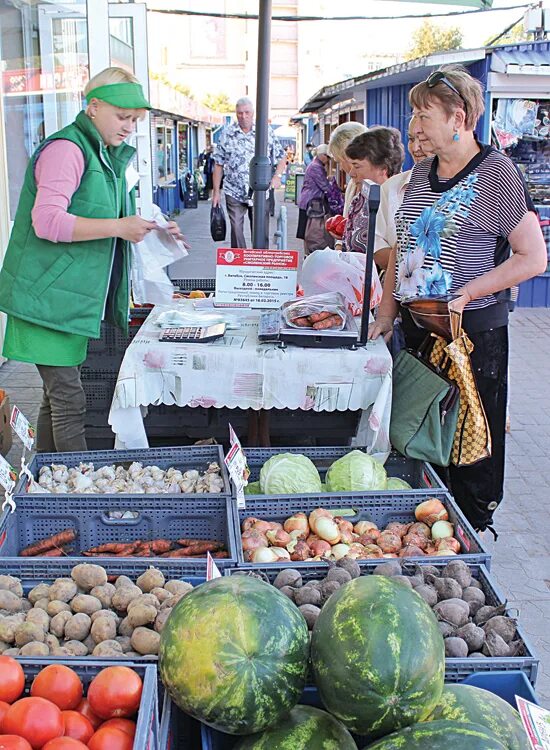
point(132, 655)
point(161, 594)
point(39, 592)
point(62, 589)
point(25, 605)
point(57, 623)
point(107, 648)
point(78, 627)
point(87, 576)
point(11, 652)
point(125, 643)
point(76, 648)
point(105, 613)
point(86, 604)
point(124, 595)
point(61, 651)
point(8, 626)
point(123, 581)
point(34, 648)
point(125, 628)
point(9, 601)
point(89, 643)
point(57, 606)
point(150, 580)
point(103, 629)
point(51, 641)
point(178, 587)
point(147, 599)
point(10, 583)
point(142, 614)
point(40, 617)
point(104, 594)
point(145, 641)
point(161, 618)
point(27, 632)
point(42, 604)
point(4, 646)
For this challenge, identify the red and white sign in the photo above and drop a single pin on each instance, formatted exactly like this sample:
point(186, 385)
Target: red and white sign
point(255, 278)
point(536, 721)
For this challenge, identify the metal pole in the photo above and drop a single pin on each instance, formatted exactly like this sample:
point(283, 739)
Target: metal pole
point(260, 165)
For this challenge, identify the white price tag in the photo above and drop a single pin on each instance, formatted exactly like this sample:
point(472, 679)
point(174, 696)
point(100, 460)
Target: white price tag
point(237, 467)
point(536, 721)
point(22, 428)
point(8, 475)
point(212, 570)
point(255, 278)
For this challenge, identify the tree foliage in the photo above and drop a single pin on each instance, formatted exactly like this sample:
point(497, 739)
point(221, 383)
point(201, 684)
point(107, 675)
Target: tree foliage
point(218, 103)
point(431, 38)
point(516, 34)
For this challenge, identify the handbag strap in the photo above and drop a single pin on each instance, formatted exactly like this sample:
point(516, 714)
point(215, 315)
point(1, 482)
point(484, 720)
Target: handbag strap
point(456, 323)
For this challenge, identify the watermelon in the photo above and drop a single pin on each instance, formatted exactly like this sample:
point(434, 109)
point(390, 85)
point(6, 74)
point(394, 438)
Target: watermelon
point(378, 656)
point(440, 735)
point(477, 706)
point(234, 654)
point(305, 728)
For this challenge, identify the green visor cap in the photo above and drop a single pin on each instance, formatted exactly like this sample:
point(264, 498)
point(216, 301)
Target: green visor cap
point(123, 95)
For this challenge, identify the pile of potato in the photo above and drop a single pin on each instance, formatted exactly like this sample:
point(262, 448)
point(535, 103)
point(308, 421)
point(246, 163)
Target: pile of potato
point(86, 615)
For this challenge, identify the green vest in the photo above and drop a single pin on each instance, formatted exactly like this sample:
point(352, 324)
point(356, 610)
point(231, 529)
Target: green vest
point(64, 286)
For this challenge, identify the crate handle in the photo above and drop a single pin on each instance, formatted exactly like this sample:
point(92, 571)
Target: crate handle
point(110, 521)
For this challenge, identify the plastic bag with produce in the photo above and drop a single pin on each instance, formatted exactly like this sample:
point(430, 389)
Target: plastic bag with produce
point(319, 312)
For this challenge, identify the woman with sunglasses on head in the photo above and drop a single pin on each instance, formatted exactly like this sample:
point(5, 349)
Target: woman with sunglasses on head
point(466, 227)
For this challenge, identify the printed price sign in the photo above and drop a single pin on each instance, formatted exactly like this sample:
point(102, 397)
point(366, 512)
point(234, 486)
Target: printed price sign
point(212, 570)
point(255, 278)
point(8, 475)
point(22, 428)
point(536, 721)
point(237, 467)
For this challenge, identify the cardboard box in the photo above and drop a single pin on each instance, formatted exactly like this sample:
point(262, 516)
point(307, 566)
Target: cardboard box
point(5, 428)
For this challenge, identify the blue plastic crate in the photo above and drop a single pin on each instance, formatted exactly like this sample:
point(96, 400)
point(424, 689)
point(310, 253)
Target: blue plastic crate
point(456, 670)
point(163, 516)
point(380, 507)
point(147, 721)
point(535, 292)
point(504, 684)
point(181, 457)
point(419, 474)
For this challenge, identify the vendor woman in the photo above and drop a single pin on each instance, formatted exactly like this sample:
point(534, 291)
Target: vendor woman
point(466, 226)
point(67, 264)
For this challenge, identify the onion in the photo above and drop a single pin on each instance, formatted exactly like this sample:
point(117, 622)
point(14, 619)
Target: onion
point(315, 515)
point(370, 537)
point(448, 543)
point(339, 551)
point(252, 540)
point(281, 553)
point(326, 529)
point(297, 522)
point(418, 540)
point(389, 542)
point(411, 551)
point(320, 548)
point(356, 551)
point(430, 511)
point(301, 551)
point(343, 523)
point(279, 537)
point(262, 526)
point(248, 523)
point(389, 554)
point(364, 527)
point(398, 528)
point(373, 551)
point(442, 529)
point(443, 552)
point(419, 528)
point(312, 538)
point(264, 555)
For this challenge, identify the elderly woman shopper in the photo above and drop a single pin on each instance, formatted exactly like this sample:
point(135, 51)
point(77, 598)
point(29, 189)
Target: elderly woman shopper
point(319, 199)
point(340, 139)
point(466, 226)
point(67, 264)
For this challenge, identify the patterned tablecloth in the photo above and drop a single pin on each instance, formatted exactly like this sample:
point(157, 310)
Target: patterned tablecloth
point(239, 371)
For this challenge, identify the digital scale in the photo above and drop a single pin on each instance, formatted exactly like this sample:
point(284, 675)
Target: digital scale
point(192, 334)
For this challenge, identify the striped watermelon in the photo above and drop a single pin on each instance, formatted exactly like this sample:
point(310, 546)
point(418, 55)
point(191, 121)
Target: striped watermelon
point(305, 728)
point(234, 654)
point(378, 656)
point(440, 735)
point(477, 706)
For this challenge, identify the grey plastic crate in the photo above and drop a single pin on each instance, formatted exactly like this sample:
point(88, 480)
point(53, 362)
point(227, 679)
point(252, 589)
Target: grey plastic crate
point(147, 721)
point(456, 670)
point(419, 474)
point(183, 458)
point(166, 517)
point(380, 507)
point(178, 731)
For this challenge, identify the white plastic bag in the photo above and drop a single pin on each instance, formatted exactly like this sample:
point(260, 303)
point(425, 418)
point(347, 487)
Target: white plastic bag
point(158, 249)
point(332, 271)
point(328, 311)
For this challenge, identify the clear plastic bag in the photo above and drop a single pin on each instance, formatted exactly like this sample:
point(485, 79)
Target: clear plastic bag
point(319, 312)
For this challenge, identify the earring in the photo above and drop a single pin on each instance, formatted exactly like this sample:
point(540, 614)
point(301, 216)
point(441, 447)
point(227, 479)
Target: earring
point(456, 136)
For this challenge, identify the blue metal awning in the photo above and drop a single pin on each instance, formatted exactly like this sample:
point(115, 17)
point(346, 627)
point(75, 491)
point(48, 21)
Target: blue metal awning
point(525, 62)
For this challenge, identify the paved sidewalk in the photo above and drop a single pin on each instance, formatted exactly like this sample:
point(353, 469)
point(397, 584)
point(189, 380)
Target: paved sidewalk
point(521, 556)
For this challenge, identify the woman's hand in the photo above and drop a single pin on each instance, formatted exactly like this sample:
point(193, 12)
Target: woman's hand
point(382, 326)
point(134, 228)
point(458, 304)
point(176, 233)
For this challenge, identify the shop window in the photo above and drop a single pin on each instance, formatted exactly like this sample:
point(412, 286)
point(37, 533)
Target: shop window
point(164, 153)
point(183, 131)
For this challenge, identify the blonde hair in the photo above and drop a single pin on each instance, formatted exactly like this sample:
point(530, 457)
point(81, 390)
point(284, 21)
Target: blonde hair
point(108, 76)
point(342, 136)
point(470, 97)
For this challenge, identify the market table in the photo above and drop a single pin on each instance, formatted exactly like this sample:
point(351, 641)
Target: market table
point(238, 371)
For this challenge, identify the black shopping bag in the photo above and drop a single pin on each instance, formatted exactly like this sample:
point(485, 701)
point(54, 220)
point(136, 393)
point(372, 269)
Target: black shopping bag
point(217, 224)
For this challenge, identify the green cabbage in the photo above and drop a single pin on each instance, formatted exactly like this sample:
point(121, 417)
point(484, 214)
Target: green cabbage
point(289, 474)
point(252, 488)
point(395, 483)
point(356, 472)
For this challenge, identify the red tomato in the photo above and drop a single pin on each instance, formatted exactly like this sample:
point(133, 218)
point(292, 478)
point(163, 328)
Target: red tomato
point(3, 708)
point(77, 726)
point(12, 742)
point(58, 684)
point(64, 743)
point(35, 719)
point(12, 679)
point(115, 693)
point(84, 709)
point(111, 739)
point(124, 724)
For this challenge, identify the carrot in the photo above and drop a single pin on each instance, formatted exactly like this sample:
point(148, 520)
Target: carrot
point(56, 540)
point(332, 322)
point(112, 548)
point(55, 552)
point(195, 550)
point(192, 542)
point(318, 317)
point(158, 546)
point(219, 555)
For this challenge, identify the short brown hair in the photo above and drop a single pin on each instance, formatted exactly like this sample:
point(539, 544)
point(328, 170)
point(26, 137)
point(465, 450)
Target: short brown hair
point(381, 146)
point(469, 98)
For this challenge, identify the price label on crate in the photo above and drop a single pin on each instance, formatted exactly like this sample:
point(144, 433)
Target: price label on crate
point(8, 475)
point(212, 570)
point(237, 467)
point(22, 428)
point(536, 721)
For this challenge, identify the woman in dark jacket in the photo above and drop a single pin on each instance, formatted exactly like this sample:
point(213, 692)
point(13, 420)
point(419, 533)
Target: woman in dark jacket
point(318, 201)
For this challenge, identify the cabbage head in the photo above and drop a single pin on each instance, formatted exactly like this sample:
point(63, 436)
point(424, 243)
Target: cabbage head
point(252, 488)
point(356, 472)
point(395, 483)
point(289, 474)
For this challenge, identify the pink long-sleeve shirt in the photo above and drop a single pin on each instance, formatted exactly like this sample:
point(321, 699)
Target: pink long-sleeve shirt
point(58, 172)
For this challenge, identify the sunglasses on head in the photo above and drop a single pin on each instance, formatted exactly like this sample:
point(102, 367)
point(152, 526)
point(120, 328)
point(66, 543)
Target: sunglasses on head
point(439, 76)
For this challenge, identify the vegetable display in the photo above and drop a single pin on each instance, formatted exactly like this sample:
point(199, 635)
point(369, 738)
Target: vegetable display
point(234, 654)
point(354, 472)
point(325, 536)
point(289, 473)
point(86, 615)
